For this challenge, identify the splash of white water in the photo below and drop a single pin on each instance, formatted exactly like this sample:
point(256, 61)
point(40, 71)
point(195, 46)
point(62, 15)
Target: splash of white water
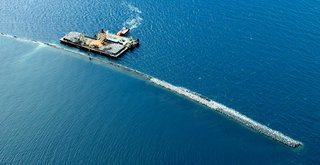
point(135, 20)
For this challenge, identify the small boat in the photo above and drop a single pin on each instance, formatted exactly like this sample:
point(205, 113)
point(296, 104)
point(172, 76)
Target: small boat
point(123, 31)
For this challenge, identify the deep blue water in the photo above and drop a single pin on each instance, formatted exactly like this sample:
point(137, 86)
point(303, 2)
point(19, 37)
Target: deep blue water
point(261, 58)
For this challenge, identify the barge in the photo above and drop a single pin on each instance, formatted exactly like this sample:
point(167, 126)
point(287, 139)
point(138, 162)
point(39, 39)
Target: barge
point(103, 43)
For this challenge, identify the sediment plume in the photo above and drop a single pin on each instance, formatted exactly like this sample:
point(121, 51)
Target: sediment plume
point(213, 105)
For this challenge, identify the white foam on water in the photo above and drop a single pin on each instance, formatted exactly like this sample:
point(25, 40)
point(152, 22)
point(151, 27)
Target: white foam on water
point(134, 8)
point(135, 20)
point(218, 107)
point(133, 23)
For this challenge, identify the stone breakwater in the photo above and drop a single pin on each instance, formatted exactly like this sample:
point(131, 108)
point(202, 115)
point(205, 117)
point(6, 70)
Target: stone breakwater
point(229, 112)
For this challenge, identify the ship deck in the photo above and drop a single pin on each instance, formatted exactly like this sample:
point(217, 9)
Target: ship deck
point(112, 47)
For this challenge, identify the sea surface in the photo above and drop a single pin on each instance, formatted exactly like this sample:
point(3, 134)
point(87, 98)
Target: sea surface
point(261, 58)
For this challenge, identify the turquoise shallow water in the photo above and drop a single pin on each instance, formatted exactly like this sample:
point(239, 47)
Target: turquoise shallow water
point(58, 107)
point(260, 58)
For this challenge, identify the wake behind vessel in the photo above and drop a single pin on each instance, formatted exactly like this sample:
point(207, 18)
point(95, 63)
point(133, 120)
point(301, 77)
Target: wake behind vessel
point(104, 43)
